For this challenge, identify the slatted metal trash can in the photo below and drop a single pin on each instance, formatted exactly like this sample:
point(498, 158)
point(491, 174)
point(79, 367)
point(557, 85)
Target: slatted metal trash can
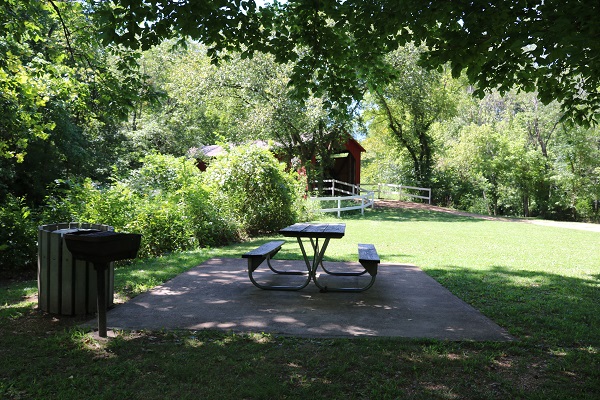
point(67, 286)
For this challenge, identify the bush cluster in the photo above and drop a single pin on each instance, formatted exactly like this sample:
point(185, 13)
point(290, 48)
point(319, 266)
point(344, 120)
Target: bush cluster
point(175, 211)
point(164, 200)
point(254, 191)
point(169, 201)
point(17, 237)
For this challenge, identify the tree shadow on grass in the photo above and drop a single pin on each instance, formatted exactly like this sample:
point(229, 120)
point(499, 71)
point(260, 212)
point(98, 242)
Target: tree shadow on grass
point(552, 309)
point(550, 312)
point(205, 364)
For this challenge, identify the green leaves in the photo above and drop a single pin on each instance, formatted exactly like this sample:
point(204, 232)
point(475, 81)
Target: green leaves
point(164, 200)
point(409, 105)
point(253, 189)
point(336, 45)
point(17, 245)
point(62, 96)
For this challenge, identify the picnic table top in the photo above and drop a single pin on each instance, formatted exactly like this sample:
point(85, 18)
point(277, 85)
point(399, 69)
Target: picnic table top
point(332, 231)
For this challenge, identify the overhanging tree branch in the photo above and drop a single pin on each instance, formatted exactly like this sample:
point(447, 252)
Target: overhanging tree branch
point(65, 29)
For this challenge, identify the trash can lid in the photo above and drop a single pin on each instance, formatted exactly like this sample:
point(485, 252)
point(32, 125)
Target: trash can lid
point(64, 231)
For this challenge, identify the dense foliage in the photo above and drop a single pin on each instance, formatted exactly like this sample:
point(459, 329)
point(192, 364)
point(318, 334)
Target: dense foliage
point(538, 45)
point(174, 205)
point(17, 243)
point(63, 96)
point(409, 106)
point(164, 200)
point(241, 101)
point(503, 155)
point(253, 189)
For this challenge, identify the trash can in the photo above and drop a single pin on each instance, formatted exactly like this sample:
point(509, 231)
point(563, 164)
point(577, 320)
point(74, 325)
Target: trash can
point(67, 286)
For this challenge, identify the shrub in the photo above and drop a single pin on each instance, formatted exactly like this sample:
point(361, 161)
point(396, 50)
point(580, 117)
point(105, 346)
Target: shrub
point(164, 200)
point(253, 189)
point(18, 250)
point(65, 200)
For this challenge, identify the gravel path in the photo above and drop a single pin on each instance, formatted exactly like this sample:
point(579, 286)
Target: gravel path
point(420, 206)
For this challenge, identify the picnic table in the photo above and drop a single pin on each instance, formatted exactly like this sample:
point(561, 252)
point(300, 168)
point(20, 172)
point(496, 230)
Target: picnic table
point(319, 236)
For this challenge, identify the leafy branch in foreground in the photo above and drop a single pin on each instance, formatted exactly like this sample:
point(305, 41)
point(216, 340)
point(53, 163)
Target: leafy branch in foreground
point(533, 45)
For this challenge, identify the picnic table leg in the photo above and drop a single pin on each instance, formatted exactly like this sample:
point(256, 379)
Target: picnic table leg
point(316, 250)
point(304, 256)
point(317, 258)
point(101, 297)
point(342, 273)
point(280, 287)
point(272, 268)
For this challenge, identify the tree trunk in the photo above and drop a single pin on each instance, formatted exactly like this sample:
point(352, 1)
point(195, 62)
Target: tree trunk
point(526, 205)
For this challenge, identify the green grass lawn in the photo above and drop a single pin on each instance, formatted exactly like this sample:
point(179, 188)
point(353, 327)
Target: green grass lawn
point(540, 283)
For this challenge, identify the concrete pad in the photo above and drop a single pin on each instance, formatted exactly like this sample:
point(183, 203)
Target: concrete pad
point(403, 302)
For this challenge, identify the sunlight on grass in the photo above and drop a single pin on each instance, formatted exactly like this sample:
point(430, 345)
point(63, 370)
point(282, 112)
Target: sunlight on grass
point(18, 299)
point(540, 283)
point(143, 274)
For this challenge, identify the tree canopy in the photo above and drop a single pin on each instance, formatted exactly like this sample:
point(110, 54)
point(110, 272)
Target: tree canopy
point(542, 45)
point(62, 96)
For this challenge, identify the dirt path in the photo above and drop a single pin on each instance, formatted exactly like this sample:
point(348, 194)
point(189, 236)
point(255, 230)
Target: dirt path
point(420, 206)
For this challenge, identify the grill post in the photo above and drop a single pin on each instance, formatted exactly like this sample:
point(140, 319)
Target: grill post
point(101, 248)
point(101, 285)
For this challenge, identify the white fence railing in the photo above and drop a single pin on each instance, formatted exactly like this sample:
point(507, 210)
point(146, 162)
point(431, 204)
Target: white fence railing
point(383, 190)
point(350, 194)
point(344, 193)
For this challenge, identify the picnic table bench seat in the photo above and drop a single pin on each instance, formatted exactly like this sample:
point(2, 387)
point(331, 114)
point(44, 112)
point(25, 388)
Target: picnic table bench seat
point(266, 252)
point(368, 257)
